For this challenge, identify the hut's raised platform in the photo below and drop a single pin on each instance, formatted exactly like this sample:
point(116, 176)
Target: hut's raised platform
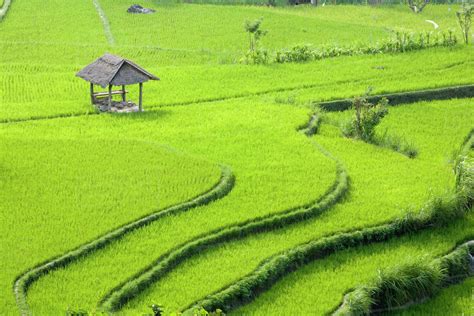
point(118, 107)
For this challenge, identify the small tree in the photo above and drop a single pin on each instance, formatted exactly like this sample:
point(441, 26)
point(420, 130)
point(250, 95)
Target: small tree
point(255, 33)
point(464, 19)
point(417, 5)
point(255, 54)
point(366, 117)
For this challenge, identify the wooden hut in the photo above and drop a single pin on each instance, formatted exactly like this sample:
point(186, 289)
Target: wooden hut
point(110, 70)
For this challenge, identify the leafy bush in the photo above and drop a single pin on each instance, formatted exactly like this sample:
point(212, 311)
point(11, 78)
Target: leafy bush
point(401, 42)
point(256, 57)
point(366, 117)
point(362, 126)
point(299, 53)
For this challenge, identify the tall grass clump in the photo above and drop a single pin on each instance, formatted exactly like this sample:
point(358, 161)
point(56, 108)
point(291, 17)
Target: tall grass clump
point(396, 143)
point(409, 283)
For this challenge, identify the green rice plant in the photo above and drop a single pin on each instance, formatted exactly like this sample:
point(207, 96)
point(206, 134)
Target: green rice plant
point(407, 97)
point(55, 183)
point(84, 193)
point(273, 135)
point(126, 291)
point(193, 53)
point(24, 281)
point(391, 289)
point(247, 254)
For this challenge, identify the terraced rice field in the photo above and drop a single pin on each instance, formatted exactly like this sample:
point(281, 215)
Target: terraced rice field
point(232, 190)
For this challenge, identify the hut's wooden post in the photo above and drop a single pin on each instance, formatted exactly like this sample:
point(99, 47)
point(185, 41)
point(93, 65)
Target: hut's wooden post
point(124, 97)
point(92, 94)
point(140, 99)
point(110, 95)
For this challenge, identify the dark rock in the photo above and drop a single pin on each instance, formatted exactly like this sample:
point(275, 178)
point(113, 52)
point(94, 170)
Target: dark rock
point(136, 8)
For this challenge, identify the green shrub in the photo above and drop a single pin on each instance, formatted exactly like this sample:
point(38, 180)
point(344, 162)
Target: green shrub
point(366, 117)
point(298, 53)
point(256, 57)
point(401, 42)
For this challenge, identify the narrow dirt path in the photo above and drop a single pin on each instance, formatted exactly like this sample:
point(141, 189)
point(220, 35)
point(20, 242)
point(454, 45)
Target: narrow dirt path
point(4, 9)
point(105, 22)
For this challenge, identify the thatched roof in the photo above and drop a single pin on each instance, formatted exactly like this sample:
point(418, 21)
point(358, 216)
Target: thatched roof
point(114, 70)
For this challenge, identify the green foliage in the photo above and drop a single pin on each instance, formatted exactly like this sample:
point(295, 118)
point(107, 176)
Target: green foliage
point(464, 15)
point(255, 32)
point(298, 53)
point(408, 283)
point(404, 284)
point(364, 122)
point(418, 5)
point(24, 281)
point(395, 143)
point(92, 174)
point(366, 117)
point(465, 178)
point(255, 54)
point(120, 295)
point(400, 43)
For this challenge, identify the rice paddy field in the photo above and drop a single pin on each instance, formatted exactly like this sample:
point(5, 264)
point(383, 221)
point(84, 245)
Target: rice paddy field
point(188, 203)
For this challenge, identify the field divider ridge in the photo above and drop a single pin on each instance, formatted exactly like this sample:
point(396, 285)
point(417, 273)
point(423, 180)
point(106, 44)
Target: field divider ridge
point(24, 281)
point(134, 285)
point(4, 9)
point(436, 213)
point(466, 91)
point(443, 272)
point(105, 22)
